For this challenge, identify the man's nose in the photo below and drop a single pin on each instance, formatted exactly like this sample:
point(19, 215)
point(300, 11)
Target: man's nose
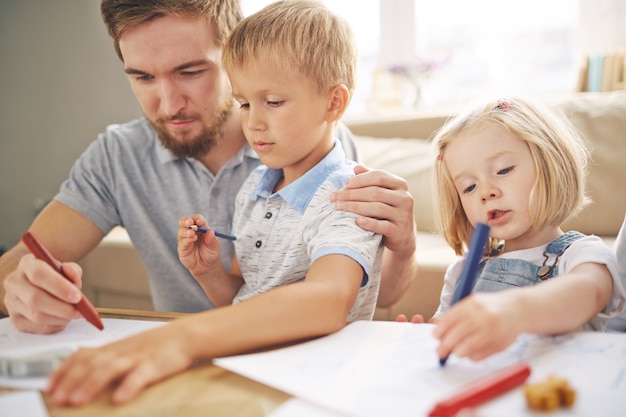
point(172, 99)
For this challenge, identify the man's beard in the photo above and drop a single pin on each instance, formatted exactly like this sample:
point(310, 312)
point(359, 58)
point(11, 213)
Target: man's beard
point(200, 145)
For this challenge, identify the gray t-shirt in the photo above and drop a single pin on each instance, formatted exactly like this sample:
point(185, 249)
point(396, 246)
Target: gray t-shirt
point(127, 178)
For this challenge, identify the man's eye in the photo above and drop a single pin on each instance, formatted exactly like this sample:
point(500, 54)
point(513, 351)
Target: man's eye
point(190, 73)
point(143, 78)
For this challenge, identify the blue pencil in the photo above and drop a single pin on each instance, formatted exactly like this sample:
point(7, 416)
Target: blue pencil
point(468, 274)
point(206, 229)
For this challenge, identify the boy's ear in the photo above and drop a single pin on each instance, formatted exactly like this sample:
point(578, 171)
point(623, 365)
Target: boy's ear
point(339, 99)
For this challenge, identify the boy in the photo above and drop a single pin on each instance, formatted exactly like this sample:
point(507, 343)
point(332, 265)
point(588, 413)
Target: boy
point(288, 114)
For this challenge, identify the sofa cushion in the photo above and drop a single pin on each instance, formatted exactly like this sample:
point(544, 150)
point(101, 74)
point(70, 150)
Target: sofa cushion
point(410, 159)
point(601, 118)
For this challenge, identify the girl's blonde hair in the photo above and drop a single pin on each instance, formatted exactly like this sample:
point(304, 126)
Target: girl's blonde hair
point(302, 35)
point(559, 153)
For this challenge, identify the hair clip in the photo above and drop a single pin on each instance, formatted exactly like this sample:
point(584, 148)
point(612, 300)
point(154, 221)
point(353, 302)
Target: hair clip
point(503, 105)
point(440, 157)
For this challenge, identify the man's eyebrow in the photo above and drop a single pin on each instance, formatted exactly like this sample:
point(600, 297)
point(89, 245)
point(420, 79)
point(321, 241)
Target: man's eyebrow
point(190, 64)
point(133, 71)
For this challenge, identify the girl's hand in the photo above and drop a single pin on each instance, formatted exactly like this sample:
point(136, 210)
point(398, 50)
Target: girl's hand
point(417, 318)
point(479, 325)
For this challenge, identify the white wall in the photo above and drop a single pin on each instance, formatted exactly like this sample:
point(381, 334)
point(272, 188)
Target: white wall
point(602, 26)
point(60, 85)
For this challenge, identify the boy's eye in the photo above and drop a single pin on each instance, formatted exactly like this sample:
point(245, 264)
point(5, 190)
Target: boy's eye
point(244, 105)
point(274, 103)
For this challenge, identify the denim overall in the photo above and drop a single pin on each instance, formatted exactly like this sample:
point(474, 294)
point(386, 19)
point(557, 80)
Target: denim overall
point(496, 274)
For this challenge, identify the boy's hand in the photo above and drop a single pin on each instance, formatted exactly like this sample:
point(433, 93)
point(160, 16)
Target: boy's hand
point(128, 365)
point(198, 252)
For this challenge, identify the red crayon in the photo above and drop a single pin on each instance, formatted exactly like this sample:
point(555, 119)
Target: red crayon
point(84, 306)
point(483, 390)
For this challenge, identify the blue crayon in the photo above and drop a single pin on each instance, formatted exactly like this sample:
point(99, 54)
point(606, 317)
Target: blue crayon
point(468, 274)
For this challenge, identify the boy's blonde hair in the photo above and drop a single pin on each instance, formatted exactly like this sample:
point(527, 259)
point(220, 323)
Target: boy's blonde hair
point(559, 153)
point(302, 35)
point(122, 15)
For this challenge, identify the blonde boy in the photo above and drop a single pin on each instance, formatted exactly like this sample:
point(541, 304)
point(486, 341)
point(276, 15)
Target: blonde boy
point(287, 231)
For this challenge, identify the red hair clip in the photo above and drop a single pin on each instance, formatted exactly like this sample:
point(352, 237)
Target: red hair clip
point(503, 105)
point(440, 157)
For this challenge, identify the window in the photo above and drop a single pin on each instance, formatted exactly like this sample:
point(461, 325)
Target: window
point(428, 54)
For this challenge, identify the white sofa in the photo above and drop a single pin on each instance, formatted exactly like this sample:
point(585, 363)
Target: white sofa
point(115, 277)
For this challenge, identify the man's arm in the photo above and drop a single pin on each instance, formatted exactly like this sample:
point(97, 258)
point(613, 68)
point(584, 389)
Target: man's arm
point(37, 298)
point(385, 206)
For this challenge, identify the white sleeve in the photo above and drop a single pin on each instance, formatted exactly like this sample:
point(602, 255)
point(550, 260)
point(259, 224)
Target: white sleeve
point(593, 249)
point(449, 282)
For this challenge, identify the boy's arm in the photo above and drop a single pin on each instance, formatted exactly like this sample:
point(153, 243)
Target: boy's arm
point(486, 323)
point(384, 206)
point(315, 307)
point(38, 299)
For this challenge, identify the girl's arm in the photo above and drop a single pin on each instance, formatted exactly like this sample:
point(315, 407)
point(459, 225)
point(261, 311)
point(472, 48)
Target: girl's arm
point(317, 306)
point(486, 323)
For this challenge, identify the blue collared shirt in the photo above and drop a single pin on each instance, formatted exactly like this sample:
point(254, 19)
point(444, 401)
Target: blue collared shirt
point(279, 235)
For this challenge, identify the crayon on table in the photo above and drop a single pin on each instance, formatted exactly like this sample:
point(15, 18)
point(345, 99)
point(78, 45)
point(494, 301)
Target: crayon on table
point(483, 390)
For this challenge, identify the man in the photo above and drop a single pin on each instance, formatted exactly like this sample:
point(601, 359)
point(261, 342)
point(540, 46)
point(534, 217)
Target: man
point(188, 155)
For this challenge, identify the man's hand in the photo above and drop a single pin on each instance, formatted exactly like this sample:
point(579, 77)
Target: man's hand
point(384, 205)
point(40, 300)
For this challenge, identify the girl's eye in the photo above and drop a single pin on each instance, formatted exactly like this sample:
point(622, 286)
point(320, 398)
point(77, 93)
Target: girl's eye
point(505, 171)
point(469, 189)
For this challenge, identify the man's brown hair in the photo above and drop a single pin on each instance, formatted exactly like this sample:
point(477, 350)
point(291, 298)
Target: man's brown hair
point(121, 15)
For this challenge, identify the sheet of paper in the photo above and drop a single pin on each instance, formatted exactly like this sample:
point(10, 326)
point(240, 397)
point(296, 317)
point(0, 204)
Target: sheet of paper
point(78, 333)
point(23, 403)
point(389, 368)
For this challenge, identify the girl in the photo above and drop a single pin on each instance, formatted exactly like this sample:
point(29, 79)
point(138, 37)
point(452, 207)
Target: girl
point(520, 168)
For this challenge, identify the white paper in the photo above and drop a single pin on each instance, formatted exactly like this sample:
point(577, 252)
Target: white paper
point(78, 333)
point(23, 404)
point(388, 368)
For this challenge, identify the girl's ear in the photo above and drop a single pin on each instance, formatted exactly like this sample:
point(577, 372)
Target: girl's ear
point(339, 99)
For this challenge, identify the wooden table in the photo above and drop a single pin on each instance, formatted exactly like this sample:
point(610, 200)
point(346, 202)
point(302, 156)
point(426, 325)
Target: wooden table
point(206, 390)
